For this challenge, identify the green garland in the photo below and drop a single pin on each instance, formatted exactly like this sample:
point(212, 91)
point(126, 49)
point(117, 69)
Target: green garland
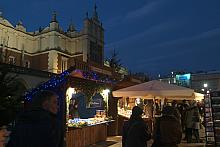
point(88, 88)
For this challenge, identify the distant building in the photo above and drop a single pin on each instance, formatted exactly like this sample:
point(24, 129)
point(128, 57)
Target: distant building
point(195, 81)
point(212, 79)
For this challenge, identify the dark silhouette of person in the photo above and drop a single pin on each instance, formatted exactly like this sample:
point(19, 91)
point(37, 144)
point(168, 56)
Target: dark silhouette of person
point(135, 131)
point(192, 122)
point(176, 110)
point(73, 108)
point(167, 130)
point(37, 126)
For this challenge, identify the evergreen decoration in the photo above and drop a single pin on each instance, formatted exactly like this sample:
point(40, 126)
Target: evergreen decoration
point(114, 61)
point(89, 88)
point(10, 96)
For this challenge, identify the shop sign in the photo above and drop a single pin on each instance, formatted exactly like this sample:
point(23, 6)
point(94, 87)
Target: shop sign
point(183, 80)
point(96, 103)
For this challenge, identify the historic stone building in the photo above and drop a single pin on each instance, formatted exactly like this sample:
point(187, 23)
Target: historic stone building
point(51, 48)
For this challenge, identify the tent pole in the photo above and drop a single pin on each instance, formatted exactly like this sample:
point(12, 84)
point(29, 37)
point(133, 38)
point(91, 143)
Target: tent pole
point(162, 103)
point(153, 118)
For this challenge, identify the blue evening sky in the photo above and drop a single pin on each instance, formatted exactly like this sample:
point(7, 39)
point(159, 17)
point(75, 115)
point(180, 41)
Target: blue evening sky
point(151, 36)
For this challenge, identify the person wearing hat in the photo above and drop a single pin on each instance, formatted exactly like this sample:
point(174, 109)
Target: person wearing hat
point(168, 130)
point(135, 131)
point(38, 126)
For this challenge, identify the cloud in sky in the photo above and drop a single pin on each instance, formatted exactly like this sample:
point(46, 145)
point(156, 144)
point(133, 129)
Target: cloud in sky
point(191, 50)
point(159, 58)
point(199, 36)
point(146, 9)
point(151, 31)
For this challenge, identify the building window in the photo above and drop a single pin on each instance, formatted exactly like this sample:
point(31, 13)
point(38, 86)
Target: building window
point(63, 63)
point(11, 60)
point(27, 64)
point(95, 52)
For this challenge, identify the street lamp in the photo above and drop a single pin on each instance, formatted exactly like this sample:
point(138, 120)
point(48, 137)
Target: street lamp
point(205, 85)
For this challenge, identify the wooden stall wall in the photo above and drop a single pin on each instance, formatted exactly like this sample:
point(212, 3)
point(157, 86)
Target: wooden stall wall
point(82, 137)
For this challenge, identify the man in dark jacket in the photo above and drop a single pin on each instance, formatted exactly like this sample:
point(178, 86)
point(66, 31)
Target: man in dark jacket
point(167, 131)
point(135, 131)
point(37, 127)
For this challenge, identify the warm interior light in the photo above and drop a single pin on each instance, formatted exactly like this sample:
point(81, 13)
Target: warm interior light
point(106, 91)
point(70, 91)
point(105, 95)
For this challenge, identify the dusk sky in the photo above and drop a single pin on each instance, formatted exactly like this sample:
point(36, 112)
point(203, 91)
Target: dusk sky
point(151, 36)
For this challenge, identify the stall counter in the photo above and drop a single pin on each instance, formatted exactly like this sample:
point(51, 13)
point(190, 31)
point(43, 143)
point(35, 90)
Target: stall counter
point(89, 131)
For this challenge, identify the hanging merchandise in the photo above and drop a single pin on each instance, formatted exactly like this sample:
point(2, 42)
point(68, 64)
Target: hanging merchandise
point(208, 118)
point(215, 101)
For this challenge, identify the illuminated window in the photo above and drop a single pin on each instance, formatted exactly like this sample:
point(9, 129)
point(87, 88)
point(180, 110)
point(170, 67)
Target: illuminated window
point(11, 60)
point(27, 64)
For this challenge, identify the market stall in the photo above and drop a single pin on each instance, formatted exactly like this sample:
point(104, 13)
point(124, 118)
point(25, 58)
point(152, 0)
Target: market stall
point(83, 106)
point(151, 96)
point(83, 132)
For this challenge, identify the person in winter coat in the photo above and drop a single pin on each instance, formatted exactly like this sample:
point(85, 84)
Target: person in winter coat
point(167, 130)
point(37, 127)
point(195, 121)
point(176, 111)
point(135, 130)
point(192, 122)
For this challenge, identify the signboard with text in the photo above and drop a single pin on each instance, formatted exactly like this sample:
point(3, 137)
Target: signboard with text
point(183, 80)
point(96, 103)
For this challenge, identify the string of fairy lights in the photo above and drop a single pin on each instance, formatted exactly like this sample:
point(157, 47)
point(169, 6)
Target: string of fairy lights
point(59, 80)
point(51, 84)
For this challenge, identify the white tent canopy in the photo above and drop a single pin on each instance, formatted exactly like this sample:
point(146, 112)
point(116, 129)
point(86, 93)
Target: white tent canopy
point(198, 96)
point(156, 89)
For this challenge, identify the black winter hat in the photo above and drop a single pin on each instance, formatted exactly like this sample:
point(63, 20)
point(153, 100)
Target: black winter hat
point(168, 110)
point(137, 111)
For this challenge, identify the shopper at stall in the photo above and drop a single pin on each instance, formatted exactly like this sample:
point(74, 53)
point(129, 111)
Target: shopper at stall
point(167, 131)
point(135, 131)
point(37, 126)
point(192, 122)
point(183, 109)
point(176, 110)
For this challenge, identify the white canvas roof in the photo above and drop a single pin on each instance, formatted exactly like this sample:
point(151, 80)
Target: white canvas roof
point(156, 89)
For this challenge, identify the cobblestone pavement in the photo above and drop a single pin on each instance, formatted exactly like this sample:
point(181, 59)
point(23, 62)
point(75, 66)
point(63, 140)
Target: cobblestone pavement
point(115, 141)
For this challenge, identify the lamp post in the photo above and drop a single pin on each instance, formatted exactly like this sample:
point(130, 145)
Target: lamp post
point(205, 89)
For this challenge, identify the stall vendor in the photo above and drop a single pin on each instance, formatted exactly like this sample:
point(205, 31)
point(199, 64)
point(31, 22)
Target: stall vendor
point(73, 108)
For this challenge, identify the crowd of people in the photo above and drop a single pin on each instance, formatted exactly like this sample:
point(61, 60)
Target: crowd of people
point(38, 126)
point(176, 119)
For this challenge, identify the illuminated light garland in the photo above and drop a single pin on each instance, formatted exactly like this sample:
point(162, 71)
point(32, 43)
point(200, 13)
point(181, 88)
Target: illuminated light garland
point(95, 77)
point(56, 81)
point(51, 84)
